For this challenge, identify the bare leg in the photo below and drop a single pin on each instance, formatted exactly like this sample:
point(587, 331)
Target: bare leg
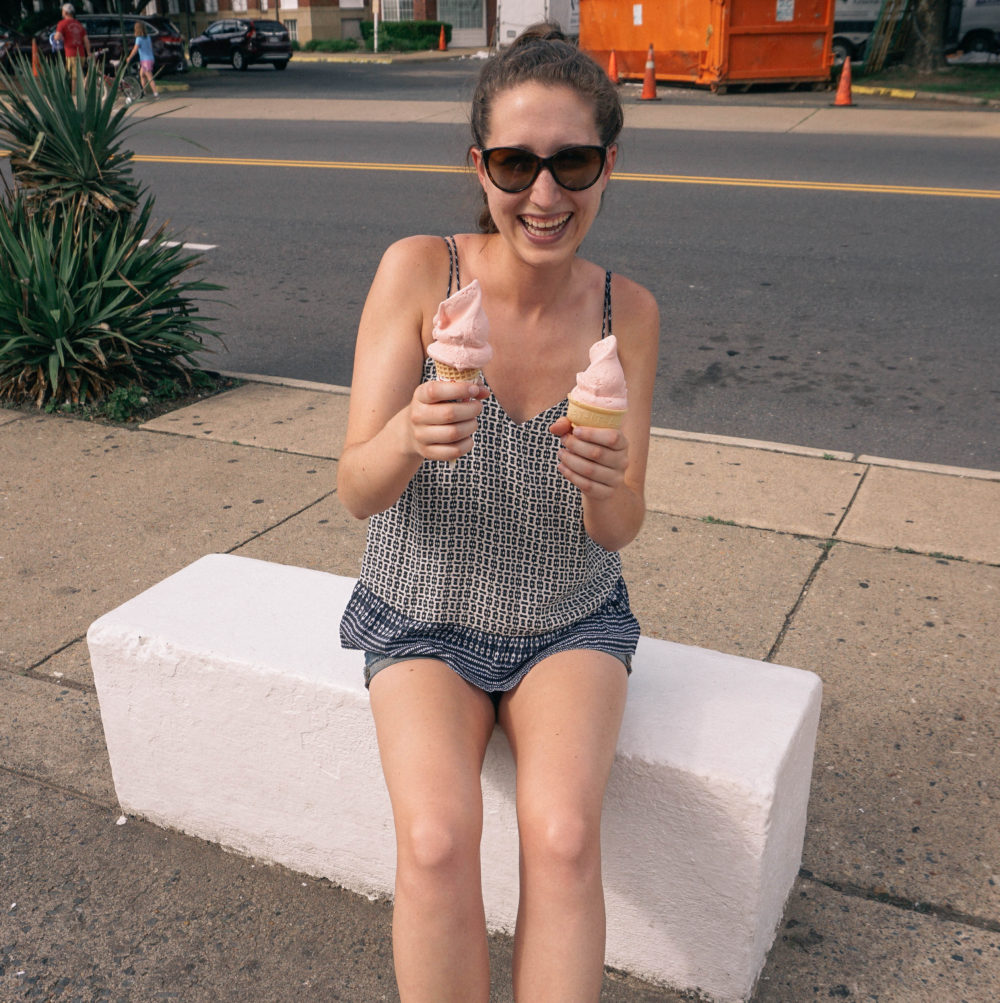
point(433, 729)
point(562, 721)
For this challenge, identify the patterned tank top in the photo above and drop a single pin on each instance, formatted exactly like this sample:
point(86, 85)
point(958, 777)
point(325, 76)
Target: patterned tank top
point(494, 541)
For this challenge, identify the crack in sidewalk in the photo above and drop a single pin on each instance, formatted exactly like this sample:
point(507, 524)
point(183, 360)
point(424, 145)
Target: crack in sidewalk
point(941, 912)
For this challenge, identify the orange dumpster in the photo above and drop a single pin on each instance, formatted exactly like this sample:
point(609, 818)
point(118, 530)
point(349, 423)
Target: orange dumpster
point(713, 43)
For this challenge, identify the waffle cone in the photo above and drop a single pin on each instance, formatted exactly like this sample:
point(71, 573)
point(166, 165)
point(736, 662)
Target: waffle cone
point(453, 375)
point(592, 416)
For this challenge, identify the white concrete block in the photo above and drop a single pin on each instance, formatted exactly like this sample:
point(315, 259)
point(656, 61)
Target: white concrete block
point(232, 713)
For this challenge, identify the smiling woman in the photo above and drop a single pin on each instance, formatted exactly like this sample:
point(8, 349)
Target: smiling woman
point(491, 589)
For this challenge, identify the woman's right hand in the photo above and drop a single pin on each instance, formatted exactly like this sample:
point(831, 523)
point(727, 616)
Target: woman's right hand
point(443, 416)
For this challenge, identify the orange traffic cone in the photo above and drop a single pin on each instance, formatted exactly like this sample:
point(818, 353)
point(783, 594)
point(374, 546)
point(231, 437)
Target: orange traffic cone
point(613, 67)
point(34, 56)
point(649, 80)
point(442, 44)
point(843, 98)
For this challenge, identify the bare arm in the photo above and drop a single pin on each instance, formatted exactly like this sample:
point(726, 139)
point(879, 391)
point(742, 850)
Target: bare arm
point(609, 465)
point(396, 422)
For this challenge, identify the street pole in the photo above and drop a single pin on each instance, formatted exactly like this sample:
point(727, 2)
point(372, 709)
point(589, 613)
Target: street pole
point(376, 10)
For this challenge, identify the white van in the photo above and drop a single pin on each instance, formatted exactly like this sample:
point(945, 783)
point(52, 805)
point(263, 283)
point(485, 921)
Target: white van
point(977, 29)
point(971, 26)
point(853, 23)
point(513, 16)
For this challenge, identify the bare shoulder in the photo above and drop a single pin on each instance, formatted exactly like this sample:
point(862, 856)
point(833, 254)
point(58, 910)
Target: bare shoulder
point(414, 258)
point(633, 304)
point(636, 320)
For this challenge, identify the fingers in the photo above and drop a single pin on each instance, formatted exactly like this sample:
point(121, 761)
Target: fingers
point(435, 391)
point(443, 418)
point(594, 459)
point(561, 426)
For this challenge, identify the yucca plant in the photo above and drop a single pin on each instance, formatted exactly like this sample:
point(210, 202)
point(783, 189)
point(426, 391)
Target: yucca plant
point(66, 151)
point(86, 307)
point(87, 303)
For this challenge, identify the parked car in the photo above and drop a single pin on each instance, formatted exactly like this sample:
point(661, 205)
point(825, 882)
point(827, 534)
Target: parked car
point(970, 26)
point(976, 28)
point(111, 36)
point(12, 41)
point(241, 42)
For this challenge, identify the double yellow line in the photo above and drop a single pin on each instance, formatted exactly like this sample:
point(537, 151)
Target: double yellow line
point(675, 179)
point(672, 179)
point(330, 165)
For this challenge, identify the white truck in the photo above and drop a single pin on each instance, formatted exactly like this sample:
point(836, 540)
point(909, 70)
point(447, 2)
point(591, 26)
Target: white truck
point(971, 26)
point(513, 16)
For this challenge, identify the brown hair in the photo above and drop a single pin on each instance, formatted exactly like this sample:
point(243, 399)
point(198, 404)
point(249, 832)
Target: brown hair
point(542, 54)
point(140, 28)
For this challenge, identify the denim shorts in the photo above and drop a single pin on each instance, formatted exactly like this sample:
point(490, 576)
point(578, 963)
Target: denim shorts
point(375, 662)
point(496, 664)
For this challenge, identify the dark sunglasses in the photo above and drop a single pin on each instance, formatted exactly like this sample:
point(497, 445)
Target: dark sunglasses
point(513, 170)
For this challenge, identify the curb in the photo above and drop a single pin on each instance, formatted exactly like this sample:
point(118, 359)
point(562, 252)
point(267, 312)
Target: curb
point(421, 56)
point(972, 473)
point(917, 95)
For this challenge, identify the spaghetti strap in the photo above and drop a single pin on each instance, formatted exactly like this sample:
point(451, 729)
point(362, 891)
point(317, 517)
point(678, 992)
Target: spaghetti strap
point(453, 276)
point(606, 321)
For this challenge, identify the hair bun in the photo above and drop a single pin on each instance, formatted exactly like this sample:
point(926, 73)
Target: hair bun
point(543, 31)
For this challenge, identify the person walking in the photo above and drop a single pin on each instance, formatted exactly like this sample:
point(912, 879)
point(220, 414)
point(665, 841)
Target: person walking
point(72, 36)
point(143, 48)
point(491, 592)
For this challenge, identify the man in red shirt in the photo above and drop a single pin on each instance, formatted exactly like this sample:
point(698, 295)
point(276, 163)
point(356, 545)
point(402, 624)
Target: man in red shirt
point(75, 42)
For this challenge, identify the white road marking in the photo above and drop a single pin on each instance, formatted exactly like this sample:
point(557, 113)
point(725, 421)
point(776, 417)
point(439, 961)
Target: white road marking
point(186, 246)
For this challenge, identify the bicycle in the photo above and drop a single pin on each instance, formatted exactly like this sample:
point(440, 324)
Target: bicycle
point(125, 82)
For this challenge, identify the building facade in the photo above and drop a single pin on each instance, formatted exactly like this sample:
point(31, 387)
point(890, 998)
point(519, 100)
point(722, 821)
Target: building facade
point(473, 22)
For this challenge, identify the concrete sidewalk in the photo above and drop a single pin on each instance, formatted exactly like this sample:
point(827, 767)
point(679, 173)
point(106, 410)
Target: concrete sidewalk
point(811, 119)
point(882, 577)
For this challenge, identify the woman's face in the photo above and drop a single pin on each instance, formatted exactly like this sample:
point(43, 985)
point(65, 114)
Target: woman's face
point(545, 220)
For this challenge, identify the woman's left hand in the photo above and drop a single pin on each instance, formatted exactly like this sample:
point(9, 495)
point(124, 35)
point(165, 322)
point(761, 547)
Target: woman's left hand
point(594, 459)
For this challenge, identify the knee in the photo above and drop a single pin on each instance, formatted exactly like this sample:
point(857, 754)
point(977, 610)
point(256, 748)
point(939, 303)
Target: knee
point(439, 845)
point(563, 841)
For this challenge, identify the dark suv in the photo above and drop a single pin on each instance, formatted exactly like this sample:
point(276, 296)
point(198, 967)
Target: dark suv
point(241, 42)
point(110, 35)
point(12, 41)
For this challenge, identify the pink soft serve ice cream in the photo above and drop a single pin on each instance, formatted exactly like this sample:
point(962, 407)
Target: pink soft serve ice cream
point(461, 345)
point(600, 397)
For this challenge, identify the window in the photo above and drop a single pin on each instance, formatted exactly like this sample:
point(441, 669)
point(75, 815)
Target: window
point(293, 29)
point(461, 13)
point(397, 10)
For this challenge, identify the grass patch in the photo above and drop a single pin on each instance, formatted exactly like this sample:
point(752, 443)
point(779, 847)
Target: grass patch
point(131, 405)
point(327, 45)
point(971, 80)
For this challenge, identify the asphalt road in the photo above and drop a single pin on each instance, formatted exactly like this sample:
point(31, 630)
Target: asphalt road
point(855, 320)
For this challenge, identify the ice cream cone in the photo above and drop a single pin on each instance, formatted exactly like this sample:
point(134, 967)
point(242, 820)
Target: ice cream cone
point(453, 375)
point(592, 416)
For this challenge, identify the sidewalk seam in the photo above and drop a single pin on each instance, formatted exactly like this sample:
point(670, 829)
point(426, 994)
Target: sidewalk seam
point(943, 913)
point(851, 501)
point(33, 670)
point(59, 788)
point(281, 522)
point(799, 600)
